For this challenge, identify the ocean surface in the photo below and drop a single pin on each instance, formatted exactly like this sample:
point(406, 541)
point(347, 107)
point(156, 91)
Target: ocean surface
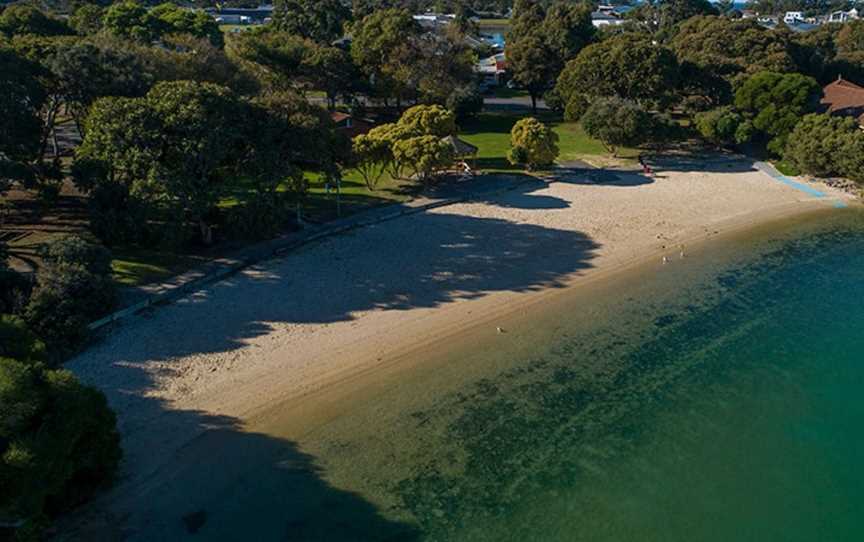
point(718, 397)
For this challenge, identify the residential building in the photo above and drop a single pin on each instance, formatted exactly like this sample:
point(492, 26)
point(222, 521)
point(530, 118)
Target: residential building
point(844, 98)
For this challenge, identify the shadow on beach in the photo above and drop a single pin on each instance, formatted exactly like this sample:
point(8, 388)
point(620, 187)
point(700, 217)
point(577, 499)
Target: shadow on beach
point(228, 485)
point(191, 472)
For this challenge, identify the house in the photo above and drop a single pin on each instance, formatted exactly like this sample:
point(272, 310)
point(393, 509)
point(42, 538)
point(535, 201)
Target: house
point(793, 17)
point(492, 69)
point(600, 19)
point(841, 16)
point(259, 15)
point(844, 98)
point(347, 124)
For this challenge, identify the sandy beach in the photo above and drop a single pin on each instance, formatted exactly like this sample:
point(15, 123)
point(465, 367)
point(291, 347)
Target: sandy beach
point(351, 303)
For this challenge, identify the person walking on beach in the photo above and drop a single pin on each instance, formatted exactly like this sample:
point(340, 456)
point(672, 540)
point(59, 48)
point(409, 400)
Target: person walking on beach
point(645, 168)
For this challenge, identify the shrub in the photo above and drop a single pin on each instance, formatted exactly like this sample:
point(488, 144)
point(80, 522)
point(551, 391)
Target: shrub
point(818, 141)
point(532, 143)
point(78, 251)
point(721, 126)
point(18, 342)
point(58, 441)
point(73, 288)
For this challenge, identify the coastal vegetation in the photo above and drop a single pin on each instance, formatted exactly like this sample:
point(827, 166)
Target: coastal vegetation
point(177, 142)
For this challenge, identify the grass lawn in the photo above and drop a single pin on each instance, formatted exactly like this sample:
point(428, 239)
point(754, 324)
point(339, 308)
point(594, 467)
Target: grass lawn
point(493, 23)
point(490, 132)
point(134, 266)
point(228, 28)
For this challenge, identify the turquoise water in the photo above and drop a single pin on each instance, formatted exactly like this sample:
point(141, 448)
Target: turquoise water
point(728, 406)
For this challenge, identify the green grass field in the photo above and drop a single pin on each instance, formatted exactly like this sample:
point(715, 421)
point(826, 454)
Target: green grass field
point(490, 132)
point(493, 23)
point(135, 266)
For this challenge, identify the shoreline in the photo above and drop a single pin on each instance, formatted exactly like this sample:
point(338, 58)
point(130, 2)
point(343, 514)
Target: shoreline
point(404, 357)
point(283, 332)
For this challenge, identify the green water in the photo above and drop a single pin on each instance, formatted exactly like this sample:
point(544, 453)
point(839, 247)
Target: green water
point(716, 398)
point(721, 401)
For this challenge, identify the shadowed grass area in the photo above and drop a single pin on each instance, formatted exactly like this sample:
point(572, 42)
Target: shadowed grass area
point(136, 266)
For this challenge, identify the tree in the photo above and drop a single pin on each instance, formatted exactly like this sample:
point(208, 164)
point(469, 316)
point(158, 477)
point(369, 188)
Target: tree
point(629, 66)
point(58, 442)
point(21, 100)
point(616, 122)
point(775, 102)
point(198, 123)
point(330, 69)
point(722, 126)
point(532, 143)
point(540, 43)
point(183, 57)
point(131, 20)
point(128, 19)
point(319, 20)
point(732, 48)
point(443, 65)
point(850, 37)
point(818, 141)
point(18, 342)
point(532, 66)
point(423, 120)
point(87, 19)
point(423, 155)
point(383, 47)
point(168, 18)
point(276, 57)
point(566, 30)
point(371, 156)
point(73, 288)
point(85, 72)
point(528, 15)
point(169, 148)
point(664, 16)
point(21, 19)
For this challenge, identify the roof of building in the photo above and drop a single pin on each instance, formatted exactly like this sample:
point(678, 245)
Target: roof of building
point(844, 98)
point(461, 147)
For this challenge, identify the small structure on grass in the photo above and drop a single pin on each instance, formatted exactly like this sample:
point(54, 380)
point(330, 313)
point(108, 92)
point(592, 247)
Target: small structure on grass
point(463, 152)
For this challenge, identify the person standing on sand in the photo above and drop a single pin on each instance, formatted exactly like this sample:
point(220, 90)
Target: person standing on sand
point(645, 168)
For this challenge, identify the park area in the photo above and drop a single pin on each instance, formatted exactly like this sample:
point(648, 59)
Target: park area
point(29, 223)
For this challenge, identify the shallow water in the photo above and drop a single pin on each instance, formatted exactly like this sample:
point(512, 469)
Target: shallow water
point(716, 398)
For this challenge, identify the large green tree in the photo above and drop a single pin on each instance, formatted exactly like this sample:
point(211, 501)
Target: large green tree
point(616, 122)
point(384, 48)
point(319, 20)
point(21, 100)
point(21, 19)
point(818, 142)
point(732, 48)
point(776, 102)
point(629, 66)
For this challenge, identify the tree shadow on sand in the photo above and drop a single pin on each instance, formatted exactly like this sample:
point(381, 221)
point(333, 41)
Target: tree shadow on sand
point(226, 485)
point(426, 261)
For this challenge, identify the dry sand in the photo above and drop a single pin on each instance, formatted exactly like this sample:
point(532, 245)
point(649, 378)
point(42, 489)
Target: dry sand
point(352, 302)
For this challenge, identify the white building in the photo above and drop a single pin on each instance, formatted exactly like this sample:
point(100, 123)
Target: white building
point(793, 17)
point(600, 19)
